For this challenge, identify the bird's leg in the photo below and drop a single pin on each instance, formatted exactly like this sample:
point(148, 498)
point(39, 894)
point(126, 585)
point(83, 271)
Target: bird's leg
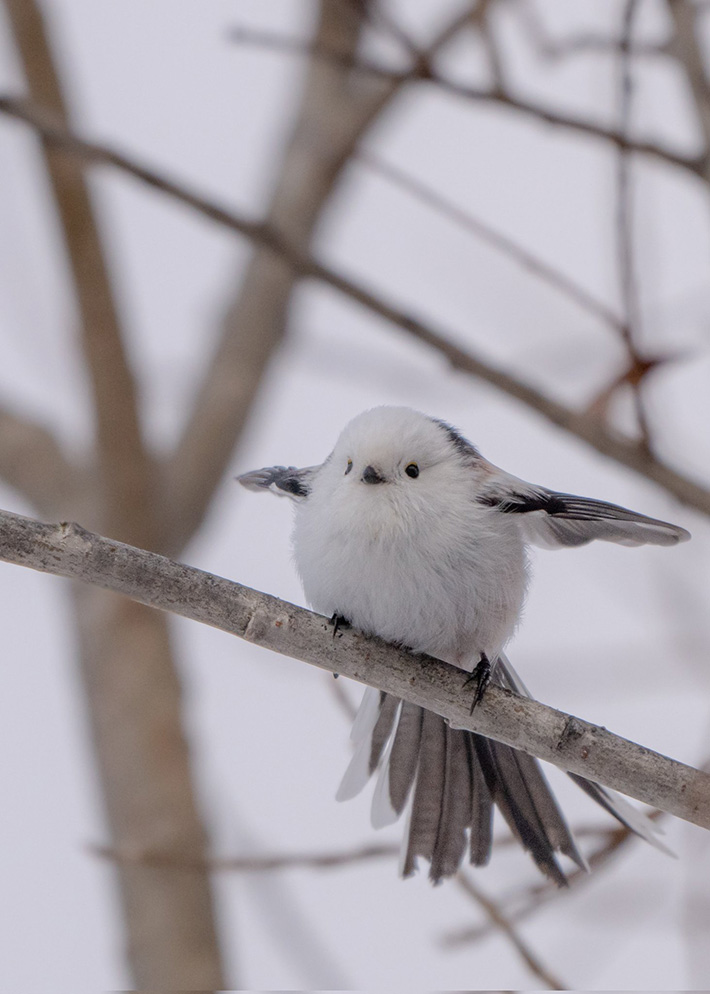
point(338, 622)
point(481, 676)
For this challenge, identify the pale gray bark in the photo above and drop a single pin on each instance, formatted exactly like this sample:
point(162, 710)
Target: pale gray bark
point(570, 743)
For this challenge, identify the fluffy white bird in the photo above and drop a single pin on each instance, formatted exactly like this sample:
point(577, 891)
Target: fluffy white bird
point(408, 533)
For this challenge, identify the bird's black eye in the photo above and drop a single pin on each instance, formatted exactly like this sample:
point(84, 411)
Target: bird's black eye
point(349, 466)
point(412, 470)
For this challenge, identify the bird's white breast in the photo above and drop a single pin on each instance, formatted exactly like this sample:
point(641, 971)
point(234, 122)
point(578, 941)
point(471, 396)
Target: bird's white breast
point(445, 577)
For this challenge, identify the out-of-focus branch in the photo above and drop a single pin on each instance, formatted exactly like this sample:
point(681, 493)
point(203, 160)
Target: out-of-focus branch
point(423, 71)
point(502, 924)
point(686, 46)
point(554, 49)
point(33, 463)
point(584, 426)
point(495, 239)
point(125, 471)
point(253, 864)
point(519, 907)
point(630, 329)
point(570, 743)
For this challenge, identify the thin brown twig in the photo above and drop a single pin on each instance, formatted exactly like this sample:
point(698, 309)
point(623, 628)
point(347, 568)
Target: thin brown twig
point(480, 229)
point(553, 49)
point(518, 907)
point(582, 425)
point(249, 864)
point(687, 45)
point(501, 923)
point(423, 71)
point(631, 325)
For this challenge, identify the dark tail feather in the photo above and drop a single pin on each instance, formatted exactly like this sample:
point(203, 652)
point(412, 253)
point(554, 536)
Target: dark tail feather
point(428, 792)
point(516, 803)
point(481, 808)
point(405, 755)
point(455, 818)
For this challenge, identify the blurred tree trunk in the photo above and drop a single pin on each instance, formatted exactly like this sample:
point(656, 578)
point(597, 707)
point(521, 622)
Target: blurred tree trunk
point(129, 675)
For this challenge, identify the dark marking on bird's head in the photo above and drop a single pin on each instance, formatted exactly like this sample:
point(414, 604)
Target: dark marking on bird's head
point(461, 444)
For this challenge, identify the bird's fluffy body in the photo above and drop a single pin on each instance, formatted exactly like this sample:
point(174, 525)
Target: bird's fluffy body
point(398, 559)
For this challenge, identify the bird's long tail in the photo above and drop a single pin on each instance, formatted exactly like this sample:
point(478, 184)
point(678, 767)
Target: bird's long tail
point(455, 778)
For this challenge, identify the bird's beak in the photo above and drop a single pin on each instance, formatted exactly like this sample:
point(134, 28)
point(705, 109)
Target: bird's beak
point(370, 475)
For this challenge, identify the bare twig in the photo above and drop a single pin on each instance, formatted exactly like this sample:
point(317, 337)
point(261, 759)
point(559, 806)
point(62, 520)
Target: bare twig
point(423, 71)
point(574, 745)
point(501, 923)
point(686, 46)
point(578, 44)
point(502, 243)
point(624, 230)
point(585, 427)
point(251, 864)
point(537, 896)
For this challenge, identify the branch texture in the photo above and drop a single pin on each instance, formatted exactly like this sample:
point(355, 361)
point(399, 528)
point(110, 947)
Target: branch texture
point(568, 742)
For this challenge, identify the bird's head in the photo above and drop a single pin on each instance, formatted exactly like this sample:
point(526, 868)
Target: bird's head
point(398, 458)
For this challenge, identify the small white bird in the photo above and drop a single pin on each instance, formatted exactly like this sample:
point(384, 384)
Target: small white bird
point(408, 533)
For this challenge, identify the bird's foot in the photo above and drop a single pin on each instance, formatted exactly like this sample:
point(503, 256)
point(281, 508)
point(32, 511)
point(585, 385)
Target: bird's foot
point(481, 676)
point(339, 622)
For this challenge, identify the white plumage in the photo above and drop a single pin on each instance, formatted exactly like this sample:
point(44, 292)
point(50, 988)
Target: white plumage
point(410, 534)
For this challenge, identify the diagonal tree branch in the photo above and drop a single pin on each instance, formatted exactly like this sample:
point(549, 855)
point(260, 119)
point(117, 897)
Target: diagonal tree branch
point(568, 742)
point(584, 426)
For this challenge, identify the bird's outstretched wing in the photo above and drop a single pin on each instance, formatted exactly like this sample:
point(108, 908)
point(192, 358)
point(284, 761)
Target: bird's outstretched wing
point(554, 520)
point(285, 481)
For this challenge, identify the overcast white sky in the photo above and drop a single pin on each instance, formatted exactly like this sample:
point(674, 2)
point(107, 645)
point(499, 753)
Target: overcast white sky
point(618, 636)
